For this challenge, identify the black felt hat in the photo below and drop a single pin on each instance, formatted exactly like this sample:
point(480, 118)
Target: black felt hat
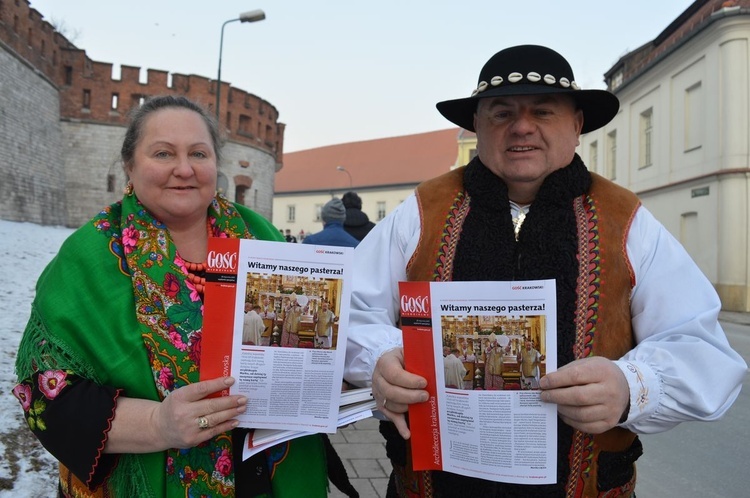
point(531, 70)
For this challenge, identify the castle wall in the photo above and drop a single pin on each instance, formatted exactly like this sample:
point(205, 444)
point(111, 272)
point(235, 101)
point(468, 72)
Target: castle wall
point(253, 168)
point(90, 155)
point(63, 116)
point(32, 178)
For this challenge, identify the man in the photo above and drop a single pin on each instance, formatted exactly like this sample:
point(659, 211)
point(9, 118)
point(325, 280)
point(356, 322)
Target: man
point(289, 237)
point(529, 360)
point(453, 369)
point(291, 316)
point(357, 224)
point(493, 367)
point(324, 320)
point(252, 325)
point(333, 215)
point(638, 337)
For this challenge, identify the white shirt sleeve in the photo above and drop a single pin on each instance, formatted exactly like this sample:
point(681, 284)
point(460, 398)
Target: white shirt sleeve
point(379, 265)
point(682, 367)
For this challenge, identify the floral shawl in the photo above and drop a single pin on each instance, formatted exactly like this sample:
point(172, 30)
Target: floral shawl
point(83, 322)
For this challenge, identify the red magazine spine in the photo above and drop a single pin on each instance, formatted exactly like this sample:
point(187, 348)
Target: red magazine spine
point(419, 358)
point(218, 309)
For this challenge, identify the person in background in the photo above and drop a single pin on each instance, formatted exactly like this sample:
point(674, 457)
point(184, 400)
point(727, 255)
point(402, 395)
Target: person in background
point(289, 237)
point(493, 369)
point(639, 345)
point(291, 315)
point(108, 376)
point(252, 325)
point(453, 368)
point(357, 224)
point(529, 360)
point(332, 215)
point(324, 320)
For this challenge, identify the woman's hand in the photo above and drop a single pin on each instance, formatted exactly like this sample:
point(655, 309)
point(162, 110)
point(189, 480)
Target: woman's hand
point(144, 426)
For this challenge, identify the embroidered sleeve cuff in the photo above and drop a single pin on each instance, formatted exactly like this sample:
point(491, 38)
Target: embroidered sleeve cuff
point(644, 390)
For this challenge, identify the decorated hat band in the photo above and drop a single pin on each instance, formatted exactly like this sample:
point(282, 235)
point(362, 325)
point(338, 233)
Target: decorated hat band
point(532, 77)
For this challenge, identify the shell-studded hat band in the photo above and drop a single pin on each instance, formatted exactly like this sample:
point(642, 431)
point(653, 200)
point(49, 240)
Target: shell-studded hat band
point(529, 70)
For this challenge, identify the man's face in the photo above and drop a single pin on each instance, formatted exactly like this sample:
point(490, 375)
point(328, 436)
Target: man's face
point(524, 138)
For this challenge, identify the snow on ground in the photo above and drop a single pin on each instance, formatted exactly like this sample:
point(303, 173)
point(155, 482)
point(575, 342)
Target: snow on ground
point(26, 469)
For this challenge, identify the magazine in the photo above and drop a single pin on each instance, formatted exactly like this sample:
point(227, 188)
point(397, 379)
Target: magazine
point(275, 319)
point(482, 346)
point(356, 404)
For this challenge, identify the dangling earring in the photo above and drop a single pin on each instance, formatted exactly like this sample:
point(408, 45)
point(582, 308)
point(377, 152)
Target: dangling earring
point(128, 189)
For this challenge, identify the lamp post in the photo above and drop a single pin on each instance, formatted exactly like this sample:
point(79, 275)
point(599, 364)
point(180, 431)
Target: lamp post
point(249, 16)
point(341, 168)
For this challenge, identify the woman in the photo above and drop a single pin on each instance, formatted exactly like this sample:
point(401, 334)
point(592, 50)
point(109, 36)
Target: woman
point(109, 361)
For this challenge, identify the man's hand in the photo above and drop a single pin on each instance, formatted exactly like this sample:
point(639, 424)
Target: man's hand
point(591, 394)
point(395, 389)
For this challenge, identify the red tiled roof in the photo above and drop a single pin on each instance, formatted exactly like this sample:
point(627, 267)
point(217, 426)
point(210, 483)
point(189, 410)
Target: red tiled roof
point(407, 159)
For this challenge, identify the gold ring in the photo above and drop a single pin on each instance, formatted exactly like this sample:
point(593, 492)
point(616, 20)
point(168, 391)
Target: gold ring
point(203, 422)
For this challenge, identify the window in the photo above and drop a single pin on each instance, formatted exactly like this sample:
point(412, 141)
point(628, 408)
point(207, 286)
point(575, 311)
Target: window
point(244, 125)
point(239, 194)
point(291, 213)
point(87, 99)
point(381, 210)
point(115, 101)
point(68, 75)
point(646, 132)
point(694, 117)
point(43, 48)
point(594, 156)
point(611, 172)
point(228, 123)
point(318, 211)
point(137, 100)
point(616, 80)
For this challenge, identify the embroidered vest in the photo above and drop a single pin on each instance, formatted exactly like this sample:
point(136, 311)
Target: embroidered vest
point(602, 311)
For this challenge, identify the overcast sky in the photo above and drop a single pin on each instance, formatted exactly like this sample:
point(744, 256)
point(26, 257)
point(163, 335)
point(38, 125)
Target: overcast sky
point(347, 70)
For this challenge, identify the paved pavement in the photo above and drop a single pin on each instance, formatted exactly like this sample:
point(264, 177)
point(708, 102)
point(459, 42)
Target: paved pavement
point(362, 448)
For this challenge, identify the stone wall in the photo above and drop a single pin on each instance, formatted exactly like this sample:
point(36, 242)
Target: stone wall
point(63, 116)
point(32, 177)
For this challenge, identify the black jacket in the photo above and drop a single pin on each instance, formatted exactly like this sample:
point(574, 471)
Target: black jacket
point(357, 224)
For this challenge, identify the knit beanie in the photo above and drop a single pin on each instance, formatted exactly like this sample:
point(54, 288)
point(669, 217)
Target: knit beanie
point(333, 210)
point(352, 200)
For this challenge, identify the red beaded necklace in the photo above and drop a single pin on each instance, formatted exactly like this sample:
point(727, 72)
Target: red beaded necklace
point(197, 271)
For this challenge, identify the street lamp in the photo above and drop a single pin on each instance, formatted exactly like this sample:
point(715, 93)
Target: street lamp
point(341, 168)
point(249, 16)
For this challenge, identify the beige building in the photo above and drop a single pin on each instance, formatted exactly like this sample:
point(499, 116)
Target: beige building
point(383, 172)
point(680, 140)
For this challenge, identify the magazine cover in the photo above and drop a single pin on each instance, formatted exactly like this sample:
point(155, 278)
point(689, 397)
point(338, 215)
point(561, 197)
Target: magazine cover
point(482, 346)
point(275, 319)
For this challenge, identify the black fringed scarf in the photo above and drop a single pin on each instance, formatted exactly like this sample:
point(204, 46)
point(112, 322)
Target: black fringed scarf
point(546, 249)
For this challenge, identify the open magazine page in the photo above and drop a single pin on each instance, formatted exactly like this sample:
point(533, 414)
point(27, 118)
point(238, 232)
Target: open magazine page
point(482, 347)
point(275, 319)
